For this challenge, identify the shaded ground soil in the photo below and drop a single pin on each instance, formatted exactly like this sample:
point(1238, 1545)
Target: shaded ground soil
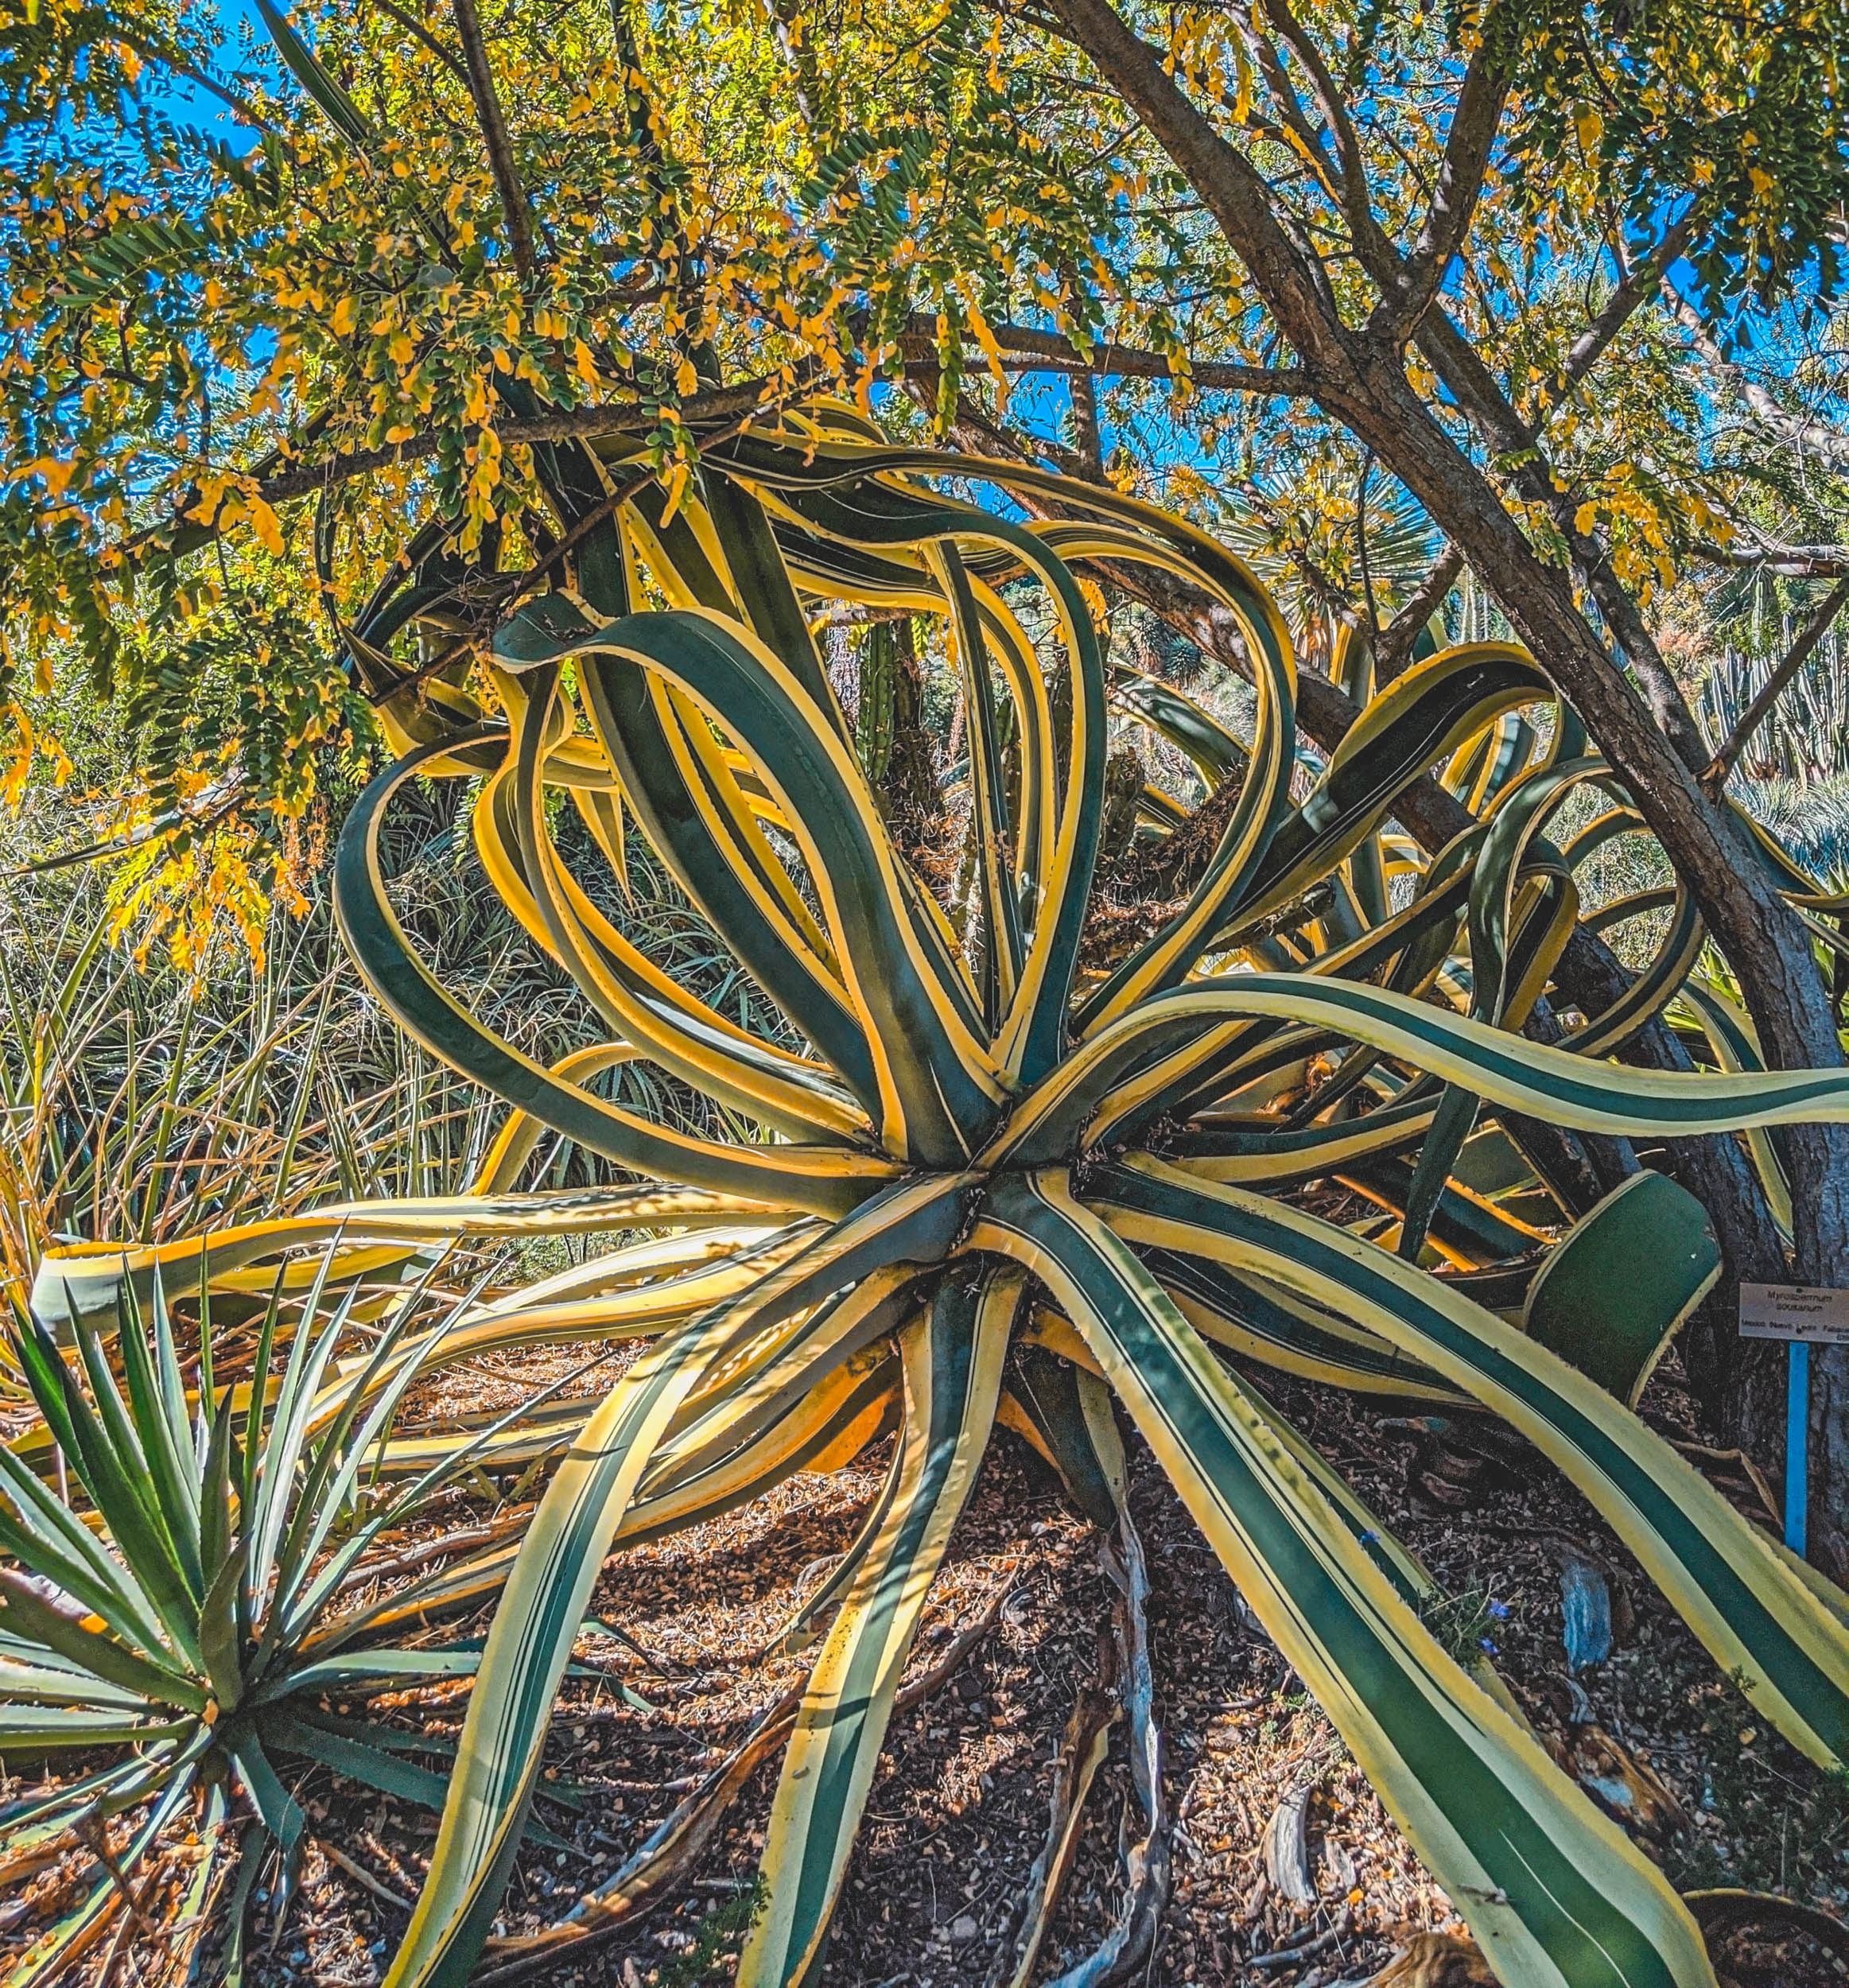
point(959, 1811)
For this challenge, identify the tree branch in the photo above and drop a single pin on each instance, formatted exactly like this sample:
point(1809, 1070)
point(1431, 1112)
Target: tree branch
point(1085, 427)
point(1634, 285)
point(1487, 409)
point(515, 209)
point(1755, 714)
point(1474, 126)
point(1342, 374)
point(279, 484)
point(1393, 645)
point(413, 26)
point(974, 433)
point(1230, 187)
point(1351, 195)
point(1829, 444)
point(1365, 388)
point(1789, 562)
point(1338, 184)
point(1053, 353)
point(153, 51)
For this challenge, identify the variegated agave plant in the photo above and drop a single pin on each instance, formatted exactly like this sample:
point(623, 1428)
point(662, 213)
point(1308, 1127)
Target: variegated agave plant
point(984, 1148)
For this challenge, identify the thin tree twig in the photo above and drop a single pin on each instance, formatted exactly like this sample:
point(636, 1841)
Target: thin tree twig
point(1108, 360)
point(487, 109)
point(153, 52)
point(1475, 121)
point(1361, 544)
point(1799, 653)
point(560, 424)
point(1634, 284)
point(1393, 649)
point(360, 1874)
point(413, 26)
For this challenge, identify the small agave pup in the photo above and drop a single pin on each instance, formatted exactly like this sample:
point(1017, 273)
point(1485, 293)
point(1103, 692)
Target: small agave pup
point(983, 1149)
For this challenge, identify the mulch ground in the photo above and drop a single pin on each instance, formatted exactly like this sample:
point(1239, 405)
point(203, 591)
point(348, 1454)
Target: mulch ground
point(959, 1811)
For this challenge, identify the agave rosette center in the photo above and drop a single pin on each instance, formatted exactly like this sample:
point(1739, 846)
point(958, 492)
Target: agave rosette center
point(984, 1177)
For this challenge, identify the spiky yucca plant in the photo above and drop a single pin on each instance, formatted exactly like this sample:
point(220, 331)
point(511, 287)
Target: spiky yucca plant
point(193, 1627)
point(983, 1147)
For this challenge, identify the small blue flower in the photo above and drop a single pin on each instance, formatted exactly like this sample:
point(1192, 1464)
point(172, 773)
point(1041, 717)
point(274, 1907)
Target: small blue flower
point(1500, 1611)
point(1484, 1643)
point(1368, 1539)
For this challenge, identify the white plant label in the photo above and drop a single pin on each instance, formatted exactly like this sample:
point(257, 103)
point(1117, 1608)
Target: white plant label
point(1806, 1312)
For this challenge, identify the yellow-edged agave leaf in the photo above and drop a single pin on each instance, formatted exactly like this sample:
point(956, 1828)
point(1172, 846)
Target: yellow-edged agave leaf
point(646, 742)
point(539, 1433)
point(1553, 1891)
point(1032, 1036)
point(952, 1359)
point(1063, 1408)
point(1550, 1084)
point(1216, 755)
point(634, 1313)
point(87, 1281)
point(1732, 1045)
point(644, 1005)
point(956, 1107)
point(1674, 960)
point(1264, 793)
point(825, 1179)
point(997, 888)
point(843, 1408)
point(938, 1084)
point(1436, 705)
point(1724, 1579)
point(520, 1133)
point(1609, 1299)
point(1269, 1156)
point(632, 1267)
point(1270, 1324)
point(746, 1397)
point(543, 1603)
point(550, 1584)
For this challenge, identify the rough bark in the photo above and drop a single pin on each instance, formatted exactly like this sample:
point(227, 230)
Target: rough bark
point(1394, 645)
point(908, 790)
point(515, 209)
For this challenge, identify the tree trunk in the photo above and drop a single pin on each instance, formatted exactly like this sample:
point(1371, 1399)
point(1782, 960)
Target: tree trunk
point(1760, 936)
point(890, 734)
point(1360, 380)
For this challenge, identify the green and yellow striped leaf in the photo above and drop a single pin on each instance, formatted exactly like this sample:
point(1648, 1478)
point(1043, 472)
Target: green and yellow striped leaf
point(1555, 1894)
point(952, 1360)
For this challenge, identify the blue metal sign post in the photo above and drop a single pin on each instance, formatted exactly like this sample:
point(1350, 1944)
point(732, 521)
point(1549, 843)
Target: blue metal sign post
point(1804, 1316)
point(1797, 1430)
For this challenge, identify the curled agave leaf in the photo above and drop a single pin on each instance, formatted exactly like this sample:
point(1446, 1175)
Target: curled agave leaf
point(975, 1103)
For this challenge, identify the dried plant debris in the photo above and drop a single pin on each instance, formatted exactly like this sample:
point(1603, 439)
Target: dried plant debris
point(998, 1848)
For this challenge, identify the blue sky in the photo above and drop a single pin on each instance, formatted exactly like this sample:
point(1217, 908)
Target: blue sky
point(239, 30)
